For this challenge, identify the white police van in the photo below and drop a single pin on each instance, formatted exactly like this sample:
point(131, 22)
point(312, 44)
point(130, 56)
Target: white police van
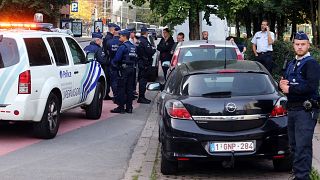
point(43, 74)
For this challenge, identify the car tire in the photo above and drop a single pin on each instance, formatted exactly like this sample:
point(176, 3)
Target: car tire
point(48, 127)
point(284, 164)
point(168, 167)
point(94, 110)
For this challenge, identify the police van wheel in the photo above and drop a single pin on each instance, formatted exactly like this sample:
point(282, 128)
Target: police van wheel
point(94, 110)
point(284, 164)
point(48, 127)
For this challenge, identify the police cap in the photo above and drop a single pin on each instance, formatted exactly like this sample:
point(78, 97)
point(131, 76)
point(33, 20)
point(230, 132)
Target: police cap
point(117, 28)
point(111, 25)
point(301, 36)
point(97, 35)
point(144, 29)
point(124, 32)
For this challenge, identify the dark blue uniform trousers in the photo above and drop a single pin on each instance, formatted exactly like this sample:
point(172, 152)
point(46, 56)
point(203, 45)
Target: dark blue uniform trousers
point(125, 87)
point(301, 126)
point(114, 76)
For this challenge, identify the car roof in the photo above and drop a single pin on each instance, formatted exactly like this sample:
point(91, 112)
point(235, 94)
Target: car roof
point(197, 67)
point(23, 33)
point(197, 43)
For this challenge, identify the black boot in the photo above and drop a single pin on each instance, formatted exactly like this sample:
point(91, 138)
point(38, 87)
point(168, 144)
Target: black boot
point(143, 100)
point(118, 110)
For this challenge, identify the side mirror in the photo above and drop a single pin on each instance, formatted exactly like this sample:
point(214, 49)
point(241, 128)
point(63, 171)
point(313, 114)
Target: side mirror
point(166, 64)
point(90, 57)
point(154, 86)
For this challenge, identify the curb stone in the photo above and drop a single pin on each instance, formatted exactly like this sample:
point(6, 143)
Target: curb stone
point(144, 154)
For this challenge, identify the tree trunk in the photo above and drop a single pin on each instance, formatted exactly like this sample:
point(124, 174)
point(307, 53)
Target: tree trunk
point(256, 24)
point(194, 25)
point(313, 23)
point(281, 26)
point(272, 22)
point(237, 25)
point(294, 29)
point(247, 21)
point(318, 21)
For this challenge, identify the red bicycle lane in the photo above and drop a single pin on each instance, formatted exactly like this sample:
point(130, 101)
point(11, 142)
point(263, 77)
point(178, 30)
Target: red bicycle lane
point(71, 120)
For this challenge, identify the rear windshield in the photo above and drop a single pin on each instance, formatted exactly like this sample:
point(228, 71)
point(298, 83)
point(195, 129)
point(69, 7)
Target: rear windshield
point(227, 84)
point(206, 53)
point(9, 54)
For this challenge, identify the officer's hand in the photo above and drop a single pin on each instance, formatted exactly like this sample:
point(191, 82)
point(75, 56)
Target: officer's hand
point(284, 85)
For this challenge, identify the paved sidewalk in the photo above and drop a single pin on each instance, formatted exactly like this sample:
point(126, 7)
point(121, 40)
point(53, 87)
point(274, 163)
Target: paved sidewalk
point(142, 163)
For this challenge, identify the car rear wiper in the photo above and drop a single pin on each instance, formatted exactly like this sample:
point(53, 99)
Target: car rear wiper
point(218, 94)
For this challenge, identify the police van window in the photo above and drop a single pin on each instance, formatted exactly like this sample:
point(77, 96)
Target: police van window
point(9, 54)
point(58, 50)
point(37, 52)
point(76, 51)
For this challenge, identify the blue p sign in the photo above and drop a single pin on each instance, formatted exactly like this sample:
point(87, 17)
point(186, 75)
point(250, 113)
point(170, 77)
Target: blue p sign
point(74, 7)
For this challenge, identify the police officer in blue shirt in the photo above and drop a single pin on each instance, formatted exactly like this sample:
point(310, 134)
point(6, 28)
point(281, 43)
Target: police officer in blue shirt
point(95, 46)
point(300, 83)
point(112, 47)
point(124, 62)
point(145, 52)
point(262, 45)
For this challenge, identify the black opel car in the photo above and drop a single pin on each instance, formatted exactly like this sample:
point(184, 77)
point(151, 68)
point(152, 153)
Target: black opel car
point(221, 111)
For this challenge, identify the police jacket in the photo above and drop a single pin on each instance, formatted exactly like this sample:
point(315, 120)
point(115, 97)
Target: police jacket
point(126, 55)
point(112, 47)
point(108, 37)
point(93, 47)
point(303, 77)
point(165, 49)
point(145, 51)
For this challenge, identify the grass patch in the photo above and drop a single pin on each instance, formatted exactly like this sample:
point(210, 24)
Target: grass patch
point(135, 177)
point(154, 171)
point(314, 175)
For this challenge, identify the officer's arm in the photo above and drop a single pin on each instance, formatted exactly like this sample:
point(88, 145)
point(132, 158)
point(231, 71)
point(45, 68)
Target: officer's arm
point(270, 37)
point(117, 58)
point(311, 69)
point(99, 57)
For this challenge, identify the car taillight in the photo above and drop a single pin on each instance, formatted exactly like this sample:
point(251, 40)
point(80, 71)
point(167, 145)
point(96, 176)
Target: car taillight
point(174, 60)
point(24, 84)
point(239, 54)
point(279, 109)
point(177, 110)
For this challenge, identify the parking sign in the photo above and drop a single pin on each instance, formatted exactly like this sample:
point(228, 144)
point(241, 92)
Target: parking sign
point(74, 7)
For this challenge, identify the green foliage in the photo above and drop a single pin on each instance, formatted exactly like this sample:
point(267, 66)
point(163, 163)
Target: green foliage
point(282, 52)
point(314, 175)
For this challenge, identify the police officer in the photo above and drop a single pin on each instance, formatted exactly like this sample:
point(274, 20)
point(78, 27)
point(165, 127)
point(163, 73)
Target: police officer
point(300, 83)
point(133, 39)
point(262, 45)
point(95, 46)
point(124, 62)
point(112, 47)
point(145, 52)
point(106, 39)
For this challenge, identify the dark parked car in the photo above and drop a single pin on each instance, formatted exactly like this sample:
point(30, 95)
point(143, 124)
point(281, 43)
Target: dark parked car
point(221, 111)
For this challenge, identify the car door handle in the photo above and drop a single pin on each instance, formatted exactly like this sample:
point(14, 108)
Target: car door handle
point(76, 72)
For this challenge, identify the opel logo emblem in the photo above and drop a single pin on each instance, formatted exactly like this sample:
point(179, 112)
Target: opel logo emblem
point(231, 107)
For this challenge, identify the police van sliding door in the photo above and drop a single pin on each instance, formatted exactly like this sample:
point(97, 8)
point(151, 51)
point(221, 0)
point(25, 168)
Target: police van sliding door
point(64, 69)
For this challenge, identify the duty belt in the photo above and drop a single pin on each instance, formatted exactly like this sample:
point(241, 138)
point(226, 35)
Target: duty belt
point(127, 65)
